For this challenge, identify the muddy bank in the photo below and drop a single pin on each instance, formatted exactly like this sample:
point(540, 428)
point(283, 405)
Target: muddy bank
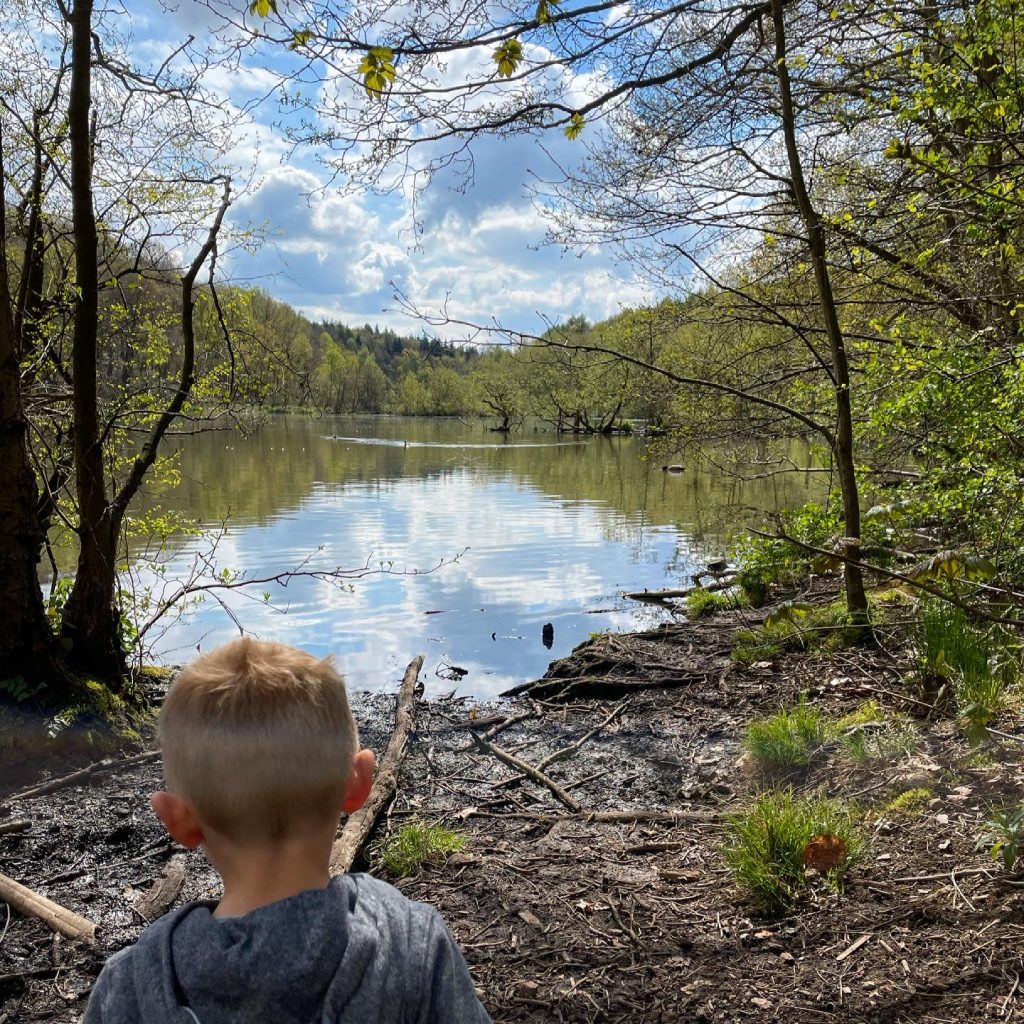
point(628, 913)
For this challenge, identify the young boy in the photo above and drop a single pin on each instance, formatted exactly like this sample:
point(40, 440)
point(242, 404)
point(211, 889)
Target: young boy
point(261, 756)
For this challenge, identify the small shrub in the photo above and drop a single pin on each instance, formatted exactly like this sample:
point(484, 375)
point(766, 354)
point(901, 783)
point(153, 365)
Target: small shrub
point(1003, 836)
point(702, 602)
point(416, 843)
point(765, 847)
point(787, 741)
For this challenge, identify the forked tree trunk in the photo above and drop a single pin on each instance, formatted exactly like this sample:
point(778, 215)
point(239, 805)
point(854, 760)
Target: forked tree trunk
point(842, 445)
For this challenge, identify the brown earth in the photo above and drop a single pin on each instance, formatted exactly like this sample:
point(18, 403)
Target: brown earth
point(630, 916)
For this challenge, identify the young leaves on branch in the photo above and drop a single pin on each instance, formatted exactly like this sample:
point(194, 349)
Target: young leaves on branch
point(301, 38)
point(508, 57)
point(378, 71)
point(544, 10)
point(575, 126)
point(263, 8)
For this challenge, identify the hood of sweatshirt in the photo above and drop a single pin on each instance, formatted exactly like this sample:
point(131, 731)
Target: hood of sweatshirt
point(317, 956)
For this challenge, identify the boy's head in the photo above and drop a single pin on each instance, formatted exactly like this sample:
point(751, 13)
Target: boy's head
point(259, 741)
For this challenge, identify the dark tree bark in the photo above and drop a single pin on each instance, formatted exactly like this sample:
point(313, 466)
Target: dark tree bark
point(842, 443)
point(90, 623)
point(27, 646)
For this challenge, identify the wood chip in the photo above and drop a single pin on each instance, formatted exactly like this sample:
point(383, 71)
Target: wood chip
point(853, 947)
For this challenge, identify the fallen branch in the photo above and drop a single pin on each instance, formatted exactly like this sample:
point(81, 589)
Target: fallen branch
point(31, 904)
point(494, 730)
point(658, 596)
point(22, 825)
point(558, 755)
point(165, 890)
point(528, 769)
point(359, 825)
point(604, 685)
point(98, 768)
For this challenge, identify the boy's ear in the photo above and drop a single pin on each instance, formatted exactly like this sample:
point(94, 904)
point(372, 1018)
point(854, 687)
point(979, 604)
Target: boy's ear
point(357, 789)
point(178, 818)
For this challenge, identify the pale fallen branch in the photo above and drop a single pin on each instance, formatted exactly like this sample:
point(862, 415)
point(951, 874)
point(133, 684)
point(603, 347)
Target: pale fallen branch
point(21, 825)
point(165, 890)
point(31, 904)
point(658, 596)
point(359, 825)
point(529, 770)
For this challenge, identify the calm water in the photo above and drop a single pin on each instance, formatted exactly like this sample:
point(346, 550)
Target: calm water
point(531, 530)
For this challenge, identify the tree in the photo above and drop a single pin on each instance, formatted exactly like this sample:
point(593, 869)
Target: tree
point(96, 192)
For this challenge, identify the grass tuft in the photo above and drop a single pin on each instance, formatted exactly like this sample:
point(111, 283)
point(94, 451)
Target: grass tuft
point(702, 602)
point(765, 846)
point(788, 740)
point(416, 843)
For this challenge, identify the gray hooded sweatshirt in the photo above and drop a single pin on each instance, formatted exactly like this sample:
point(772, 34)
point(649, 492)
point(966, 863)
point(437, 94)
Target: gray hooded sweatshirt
point(357, 952)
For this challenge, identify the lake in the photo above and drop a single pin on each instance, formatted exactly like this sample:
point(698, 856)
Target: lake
point(475, 541)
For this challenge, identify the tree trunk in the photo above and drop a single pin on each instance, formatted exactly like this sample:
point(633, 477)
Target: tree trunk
point(842, 446)
point(27, 645)
point(90, 622)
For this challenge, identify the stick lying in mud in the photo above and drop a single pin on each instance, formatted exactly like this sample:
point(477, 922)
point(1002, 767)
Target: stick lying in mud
point(558, 755)
point(165, 890)
point(93, 769)
point(31, 904)
point(528, 769)
point(359, 825)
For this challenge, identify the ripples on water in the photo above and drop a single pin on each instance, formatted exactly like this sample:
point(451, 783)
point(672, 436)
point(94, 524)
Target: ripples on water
point(525, 533)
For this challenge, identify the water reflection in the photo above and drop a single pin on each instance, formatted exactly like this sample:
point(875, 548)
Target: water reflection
point(536, 538)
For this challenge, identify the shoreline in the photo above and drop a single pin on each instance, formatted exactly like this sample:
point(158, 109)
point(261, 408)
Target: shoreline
point(625, 910)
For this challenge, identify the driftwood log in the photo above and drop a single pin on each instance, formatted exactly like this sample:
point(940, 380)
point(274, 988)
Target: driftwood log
point(31, 904)
point(359, 825)
point(165, 890)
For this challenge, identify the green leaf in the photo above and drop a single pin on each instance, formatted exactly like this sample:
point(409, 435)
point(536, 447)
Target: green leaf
point(575, 126)
point(262, 8)
point(544, 10)
point(378, 71)
point(508, 57)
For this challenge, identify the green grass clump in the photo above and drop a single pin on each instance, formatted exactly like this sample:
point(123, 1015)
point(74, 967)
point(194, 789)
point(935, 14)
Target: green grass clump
point(950, 649)
point(871, 736)
point(702, 602)
point(417, 843)
point(908, 804)
point(867, 713)
point(764, 846)
point(751, 645)
point(787, 741)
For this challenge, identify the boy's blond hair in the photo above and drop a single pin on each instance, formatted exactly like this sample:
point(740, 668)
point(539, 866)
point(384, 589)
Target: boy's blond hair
point(259, 738)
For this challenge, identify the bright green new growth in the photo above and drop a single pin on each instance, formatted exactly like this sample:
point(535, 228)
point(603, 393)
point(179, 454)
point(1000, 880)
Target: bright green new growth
point(417, 843)
point(1003, 835)
point(909, 803)
point(788, 740)
point(764, 847)
point(949, 647)
point(702, 602)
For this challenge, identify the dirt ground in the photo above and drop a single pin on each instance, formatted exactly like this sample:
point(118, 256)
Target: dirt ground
point(623, 910)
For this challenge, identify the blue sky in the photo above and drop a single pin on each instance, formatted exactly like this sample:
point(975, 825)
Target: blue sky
point(481, 251)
